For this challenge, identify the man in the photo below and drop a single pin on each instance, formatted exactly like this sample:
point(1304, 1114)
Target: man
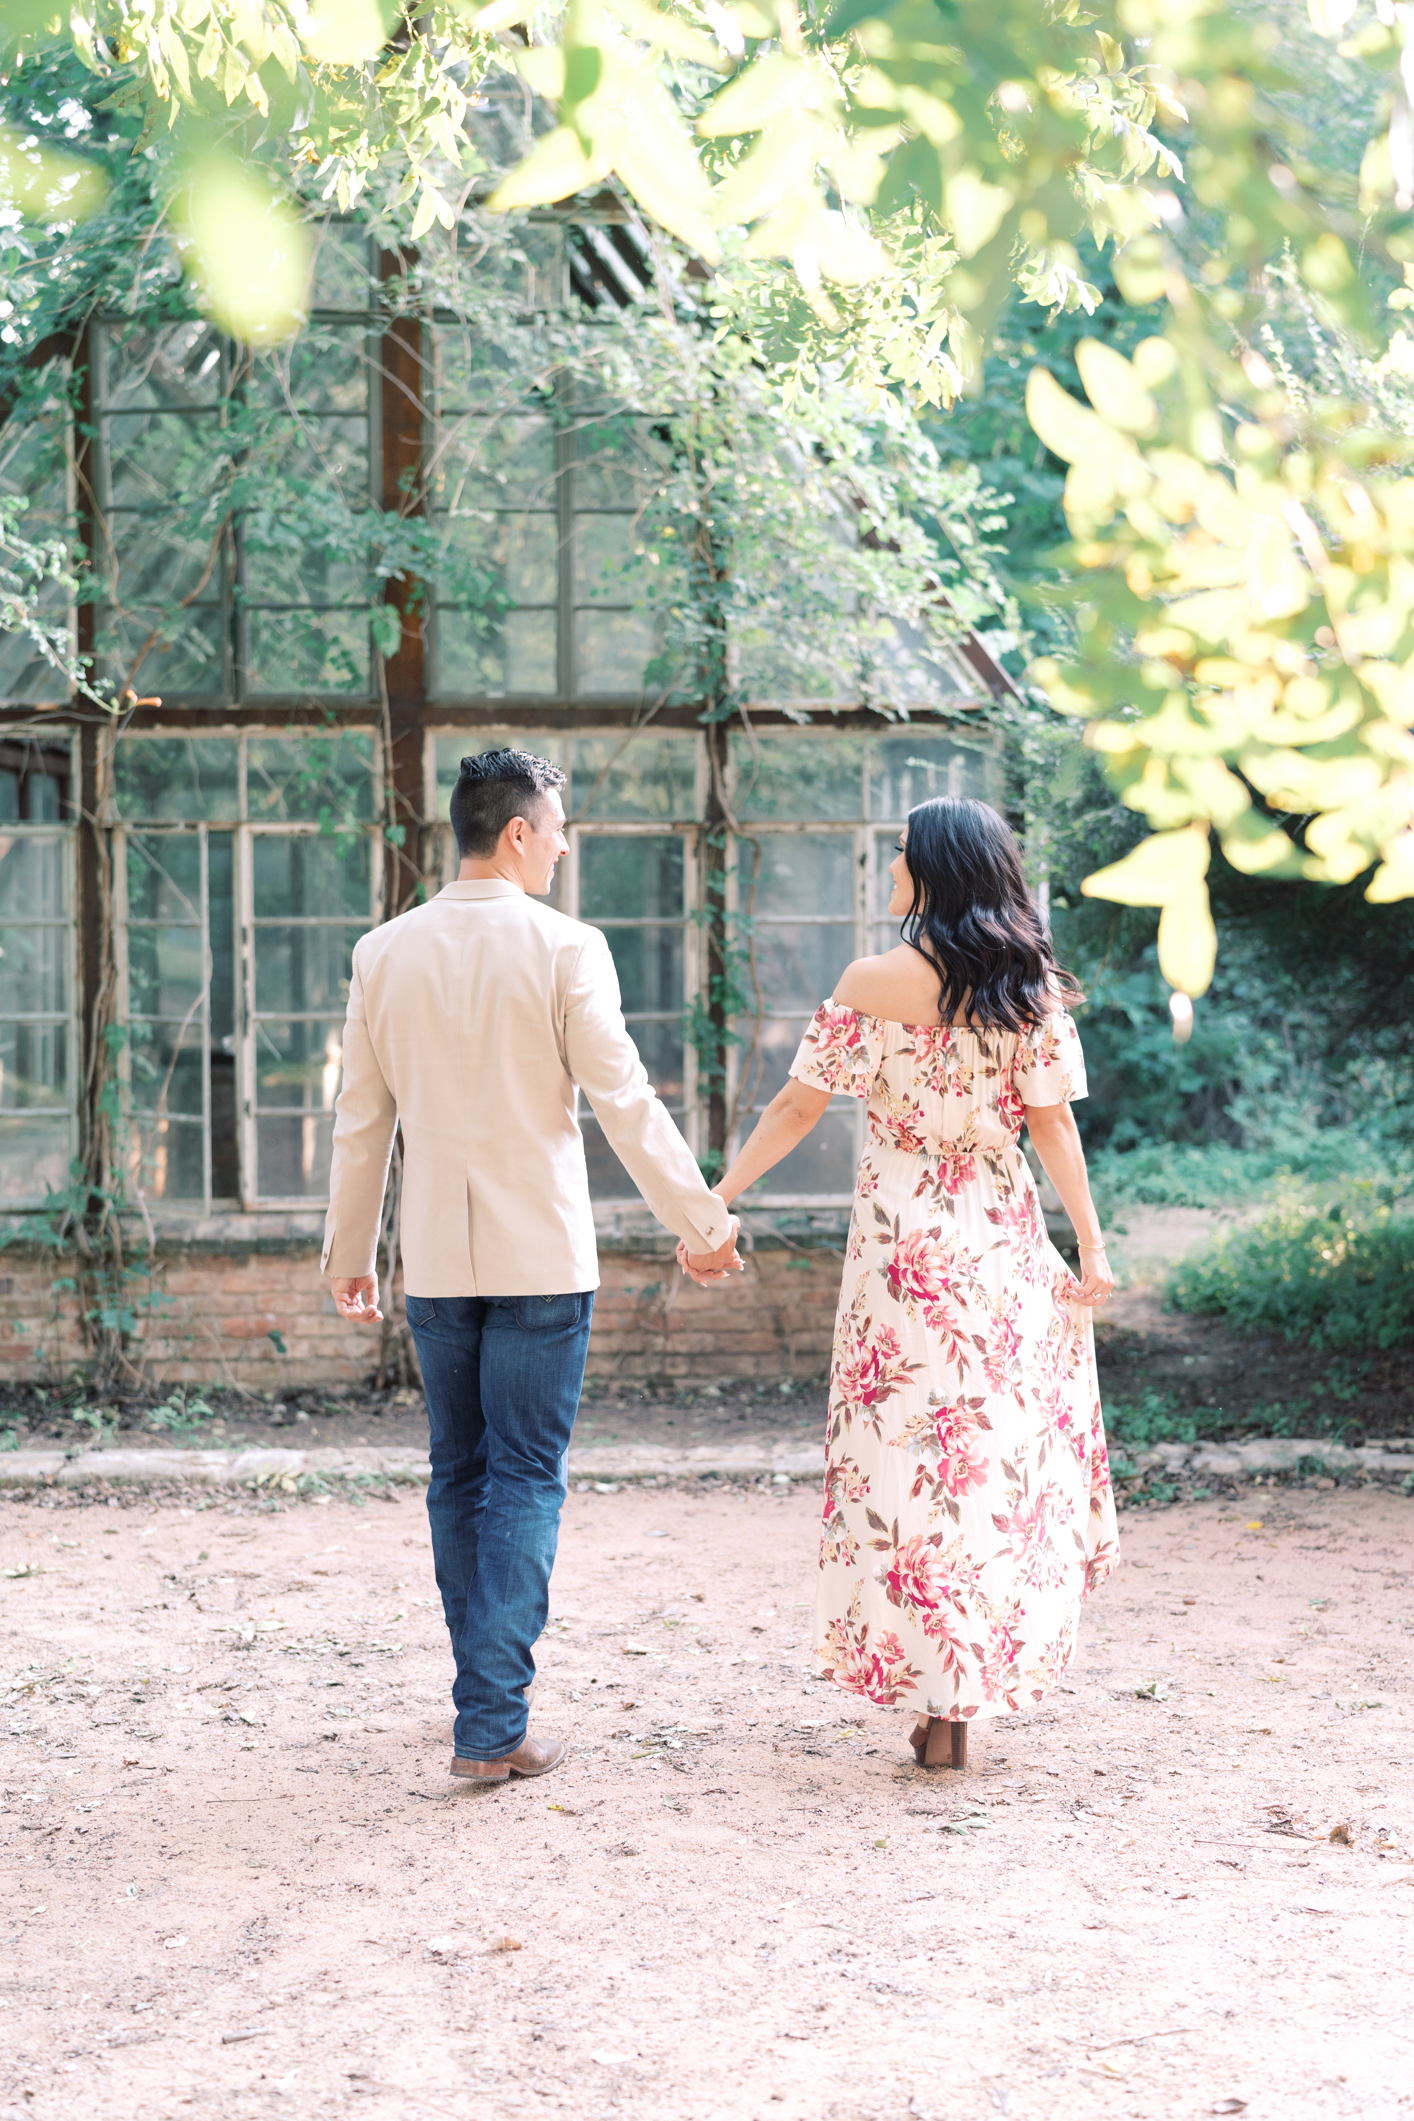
point(473, 1022)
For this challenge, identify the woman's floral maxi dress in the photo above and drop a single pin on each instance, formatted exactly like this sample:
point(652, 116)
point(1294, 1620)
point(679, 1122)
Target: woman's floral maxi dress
point(968, 1505)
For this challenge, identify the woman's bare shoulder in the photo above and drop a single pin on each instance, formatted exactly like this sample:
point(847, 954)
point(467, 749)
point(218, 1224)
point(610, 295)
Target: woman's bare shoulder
point(899, 986)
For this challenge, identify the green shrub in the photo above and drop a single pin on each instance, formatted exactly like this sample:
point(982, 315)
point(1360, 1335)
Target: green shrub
point(1335, 1279)
point(1217, 1175)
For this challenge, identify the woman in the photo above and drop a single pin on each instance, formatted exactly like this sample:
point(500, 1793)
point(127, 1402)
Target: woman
point(968, 1506)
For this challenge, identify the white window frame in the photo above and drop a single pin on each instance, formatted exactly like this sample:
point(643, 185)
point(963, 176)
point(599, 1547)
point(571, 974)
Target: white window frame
point(66, 921)
point(164, 829)
point(249, 1018)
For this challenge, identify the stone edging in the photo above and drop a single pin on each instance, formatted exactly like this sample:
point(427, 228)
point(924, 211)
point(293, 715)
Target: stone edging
point(1271, 1454)
point(316, 1470)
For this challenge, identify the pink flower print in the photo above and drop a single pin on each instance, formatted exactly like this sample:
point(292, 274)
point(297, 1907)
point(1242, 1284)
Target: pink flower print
point(841, 1059)
point(935, 1057)
point(920, 1269)
point(961, 1464)
point(1010, 1108)
point(1001, 1356)
point(872, 1369)
point(915, 1579)
point(844, 1482)
point(881, 1672)
point(998, 1661)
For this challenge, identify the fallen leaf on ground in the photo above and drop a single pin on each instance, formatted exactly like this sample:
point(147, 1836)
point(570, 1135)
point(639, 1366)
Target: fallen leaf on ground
point(506, 1944)
point(1341, 1833)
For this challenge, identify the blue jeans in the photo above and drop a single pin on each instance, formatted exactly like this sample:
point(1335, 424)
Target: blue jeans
point(503, 1377)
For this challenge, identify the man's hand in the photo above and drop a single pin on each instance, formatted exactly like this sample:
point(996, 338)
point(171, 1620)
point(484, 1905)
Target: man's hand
point(357, 1297)
point(704, 1267)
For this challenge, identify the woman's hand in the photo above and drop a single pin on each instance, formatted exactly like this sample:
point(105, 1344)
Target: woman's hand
point(1097, 1280)
point(704, 1267)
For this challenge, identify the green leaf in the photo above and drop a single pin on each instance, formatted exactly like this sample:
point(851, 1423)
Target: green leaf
point(1069, 430)
point(247, 252)
point(1188, 941)
point(1113, 388)
point(556, 167)
point(1155, 871)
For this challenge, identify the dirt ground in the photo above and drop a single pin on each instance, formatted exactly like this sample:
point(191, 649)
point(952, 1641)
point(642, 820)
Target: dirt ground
point(232, 1883)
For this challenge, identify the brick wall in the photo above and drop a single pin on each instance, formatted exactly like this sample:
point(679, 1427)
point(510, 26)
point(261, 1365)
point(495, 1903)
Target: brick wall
point(263, 1318)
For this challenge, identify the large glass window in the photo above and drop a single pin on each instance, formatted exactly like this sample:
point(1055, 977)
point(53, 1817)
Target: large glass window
point(246, 868)
point(37, 1046)
point(816, 821)
point(234, 489)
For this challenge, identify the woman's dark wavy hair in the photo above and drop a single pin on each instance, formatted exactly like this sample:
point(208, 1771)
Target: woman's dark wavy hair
point(972, 918)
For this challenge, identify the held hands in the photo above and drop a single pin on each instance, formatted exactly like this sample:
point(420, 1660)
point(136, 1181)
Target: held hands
point(705, 1267)
point(1097, 1280)
point(356, 1297)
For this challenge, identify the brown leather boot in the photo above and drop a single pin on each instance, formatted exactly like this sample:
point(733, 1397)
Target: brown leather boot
point(534, 1756)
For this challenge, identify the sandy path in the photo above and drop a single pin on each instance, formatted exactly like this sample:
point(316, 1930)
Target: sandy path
point(220, 1871)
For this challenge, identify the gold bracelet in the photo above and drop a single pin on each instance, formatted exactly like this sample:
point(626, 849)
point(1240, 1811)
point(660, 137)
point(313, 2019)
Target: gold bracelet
point(1080, 1246)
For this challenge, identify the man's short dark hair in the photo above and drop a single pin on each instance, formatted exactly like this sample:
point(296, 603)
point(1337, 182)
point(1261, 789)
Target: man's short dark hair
point(493, 789)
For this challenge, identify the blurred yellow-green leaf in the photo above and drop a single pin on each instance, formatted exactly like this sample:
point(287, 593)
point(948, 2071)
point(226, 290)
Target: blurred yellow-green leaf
point(247, 253)
point(45, 185)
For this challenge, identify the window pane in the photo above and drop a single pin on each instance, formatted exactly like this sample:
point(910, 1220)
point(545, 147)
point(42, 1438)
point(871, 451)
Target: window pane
point(277, 572)
point(787, 778)
point(184, 650)
point(342, 279)
point(765, 1058)
point(170, 1158)
point(164, 877)
point(649, 964)
point(304, 779)
point(914, 667)
point(34, 1160)
point(608, 561)
point(317, 875)
point(34, 972)
point(489, 557)
point(175, 777)
point(500, 463)
point(318, 651)
point(620, 460)
point(797, 966)
point(151, 454)
point(34, 1067)
point(798, 872)
point(166, 971)
point(661, 1050)
point(629, 878)
point(613, 650)
point(647, 777)
point(297, 1065)
point(302, 969)
point(904, 770)
point(826, 1161)
point(482, 657)
point(293, 1157)
point(152, 564)
point(178, 364)
point(324, 370)
point(31, 878)
point(165, 1068)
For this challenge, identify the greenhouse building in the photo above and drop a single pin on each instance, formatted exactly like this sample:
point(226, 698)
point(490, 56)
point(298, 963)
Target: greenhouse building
point(317, 578)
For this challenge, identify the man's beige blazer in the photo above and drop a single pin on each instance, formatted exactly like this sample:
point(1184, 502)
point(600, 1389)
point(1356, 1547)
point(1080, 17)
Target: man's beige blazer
point(474, 1021)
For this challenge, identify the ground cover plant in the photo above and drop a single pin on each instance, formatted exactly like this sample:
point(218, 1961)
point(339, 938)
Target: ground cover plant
point(1339, 1278)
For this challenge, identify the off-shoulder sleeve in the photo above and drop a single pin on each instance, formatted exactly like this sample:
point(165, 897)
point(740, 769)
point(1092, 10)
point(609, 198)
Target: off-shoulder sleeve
point(841, 1051)
point(1050, 1067)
